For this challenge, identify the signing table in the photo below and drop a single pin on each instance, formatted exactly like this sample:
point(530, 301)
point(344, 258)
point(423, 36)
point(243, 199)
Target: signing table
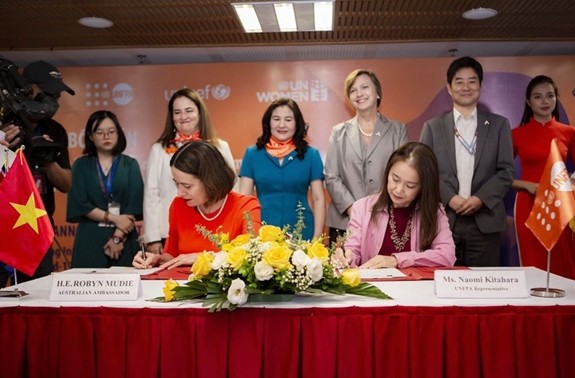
point(414, 335)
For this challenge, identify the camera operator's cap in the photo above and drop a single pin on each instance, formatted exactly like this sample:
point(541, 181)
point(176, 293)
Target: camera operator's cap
point(47, 77)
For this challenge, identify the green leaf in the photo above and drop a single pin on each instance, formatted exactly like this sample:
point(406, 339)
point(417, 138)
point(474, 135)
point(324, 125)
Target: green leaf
point(367, 290)
point(270, 297)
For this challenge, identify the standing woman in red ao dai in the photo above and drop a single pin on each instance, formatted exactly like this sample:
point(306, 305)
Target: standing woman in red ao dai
point(531, 144)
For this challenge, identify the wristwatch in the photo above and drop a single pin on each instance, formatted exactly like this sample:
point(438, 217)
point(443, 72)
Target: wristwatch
point(117, 240)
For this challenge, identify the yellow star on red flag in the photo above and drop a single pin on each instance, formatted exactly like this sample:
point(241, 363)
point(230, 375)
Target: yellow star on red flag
point(29, 213)
point(25, 226)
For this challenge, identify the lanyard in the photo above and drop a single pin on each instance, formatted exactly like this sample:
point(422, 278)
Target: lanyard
point(106, 182)
point(470, 147)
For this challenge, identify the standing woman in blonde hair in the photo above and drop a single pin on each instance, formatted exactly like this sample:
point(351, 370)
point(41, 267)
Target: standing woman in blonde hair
point(187, 120)
point(358, 149)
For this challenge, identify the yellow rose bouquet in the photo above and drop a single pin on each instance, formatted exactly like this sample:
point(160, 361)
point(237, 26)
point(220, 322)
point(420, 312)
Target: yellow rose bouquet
point(270, 266)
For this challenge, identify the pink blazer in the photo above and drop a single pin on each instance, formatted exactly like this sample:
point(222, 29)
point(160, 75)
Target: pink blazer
point(365, 238)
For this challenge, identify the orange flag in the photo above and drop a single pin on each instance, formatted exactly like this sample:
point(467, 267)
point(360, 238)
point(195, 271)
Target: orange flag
point(24, 224)
point(554, 203)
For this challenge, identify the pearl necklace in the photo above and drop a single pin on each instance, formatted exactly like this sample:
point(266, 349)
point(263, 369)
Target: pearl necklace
point(363, 132)
point(218, 213)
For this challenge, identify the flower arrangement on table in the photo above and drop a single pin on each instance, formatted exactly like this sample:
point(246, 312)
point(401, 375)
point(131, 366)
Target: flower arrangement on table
point(270, 266)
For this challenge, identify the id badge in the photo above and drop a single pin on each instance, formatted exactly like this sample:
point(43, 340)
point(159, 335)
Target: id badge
point(114, 208)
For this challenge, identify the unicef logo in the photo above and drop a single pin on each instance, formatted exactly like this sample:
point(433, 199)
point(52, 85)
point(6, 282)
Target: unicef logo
point(221, 92)
point(122, 94)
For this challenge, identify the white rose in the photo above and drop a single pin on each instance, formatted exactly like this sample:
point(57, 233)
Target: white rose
point(314, 269)
point(300, 259)
point(219, 260)
point(262, 247)
point(237, 292)
point(263, 271)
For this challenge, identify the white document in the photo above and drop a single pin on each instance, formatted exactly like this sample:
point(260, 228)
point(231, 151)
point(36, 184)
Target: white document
point(380, 273)
point(113, 270)
point(130, 269)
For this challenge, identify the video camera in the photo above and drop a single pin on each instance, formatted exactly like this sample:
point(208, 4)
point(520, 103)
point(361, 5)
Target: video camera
point(19, 108)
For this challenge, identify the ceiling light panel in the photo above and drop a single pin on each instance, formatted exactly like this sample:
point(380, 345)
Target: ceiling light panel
point(286, 16)
point(247, 15)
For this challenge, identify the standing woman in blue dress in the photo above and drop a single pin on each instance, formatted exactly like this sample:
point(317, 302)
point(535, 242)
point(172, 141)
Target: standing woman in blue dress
point(283, 168)
point(106, 197)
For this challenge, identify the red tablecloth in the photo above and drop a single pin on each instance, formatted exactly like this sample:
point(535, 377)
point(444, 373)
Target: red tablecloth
point(502, 341)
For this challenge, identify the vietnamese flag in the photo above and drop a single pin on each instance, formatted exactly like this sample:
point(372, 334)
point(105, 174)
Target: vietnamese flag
point(554, 203)
point(24, 224)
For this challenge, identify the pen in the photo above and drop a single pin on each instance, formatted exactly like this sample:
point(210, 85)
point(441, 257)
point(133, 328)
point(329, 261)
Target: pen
point(143, 249)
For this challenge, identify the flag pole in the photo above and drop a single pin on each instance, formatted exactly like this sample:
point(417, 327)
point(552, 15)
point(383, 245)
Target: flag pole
point(552, 210)
point(546, 292)
point(16, 293)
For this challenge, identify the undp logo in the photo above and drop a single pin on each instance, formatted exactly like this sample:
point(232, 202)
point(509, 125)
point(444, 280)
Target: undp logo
point(122, 94)
point(221, 92)
point(97, 94)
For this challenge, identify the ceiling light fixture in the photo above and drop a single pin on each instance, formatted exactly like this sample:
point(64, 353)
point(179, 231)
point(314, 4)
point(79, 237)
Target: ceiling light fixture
point(323, 15)
point(285, 16)
point(248, 18)
point(96, 22)
point(479, 13)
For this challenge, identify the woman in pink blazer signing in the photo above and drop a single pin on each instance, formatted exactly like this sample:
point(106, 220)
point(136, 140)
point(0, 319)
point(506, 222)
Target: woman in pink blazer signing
point(405, 224)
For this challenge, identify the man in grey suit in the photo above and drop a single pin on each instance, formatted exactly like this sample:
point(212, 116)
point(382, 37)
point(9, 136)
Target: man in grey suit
point(475, 155)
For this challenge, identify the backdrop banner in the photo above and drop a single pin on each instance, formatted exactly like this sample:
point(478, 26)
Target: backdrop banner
point(237, 95)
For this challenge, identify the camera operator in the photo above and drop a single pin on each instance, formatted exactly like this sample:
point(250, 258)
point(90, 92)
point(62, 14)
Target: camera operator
point(50, 170)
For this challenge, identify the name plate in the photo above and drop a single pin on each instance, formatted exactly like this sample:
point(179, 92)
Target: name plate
point(480, 284)
point(94, 287)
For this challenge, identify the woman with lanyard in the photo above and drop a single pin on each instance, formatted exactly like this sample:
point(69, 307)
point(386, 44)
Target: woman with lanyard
point(106, 197)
